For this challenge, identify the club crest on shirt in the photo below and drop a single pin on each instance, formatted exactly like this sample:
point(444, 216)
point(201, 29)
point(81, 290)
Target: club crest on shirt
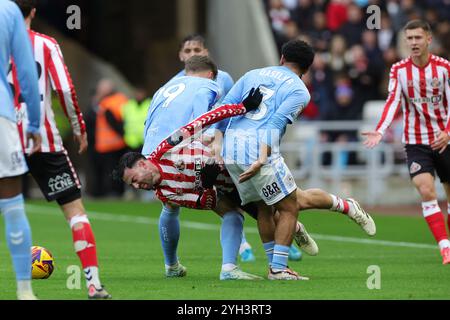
point(180, 165)
point(435, 83)
point(415, 167)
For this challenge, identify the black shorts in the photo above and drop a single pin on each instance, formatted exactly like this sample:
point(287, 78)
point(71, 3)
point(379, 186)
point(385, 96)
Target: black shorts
point(421, 159)
point(55, 175)
point(250, 208)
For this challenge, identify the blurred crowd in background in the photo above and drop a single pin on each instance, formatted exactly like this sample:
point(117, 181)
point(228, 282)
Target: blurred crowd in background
point(352, 62)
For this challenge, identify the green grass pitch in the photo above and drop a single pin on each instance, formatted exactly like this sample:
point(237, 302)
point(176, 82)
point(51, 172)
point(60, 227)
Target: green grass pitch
point(132, 265)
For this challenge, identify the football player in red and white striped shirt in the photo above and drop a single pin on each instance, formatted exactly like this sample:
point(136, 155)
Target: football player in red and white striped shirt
point(51, 167)
point(182, 173)
point(420, 84)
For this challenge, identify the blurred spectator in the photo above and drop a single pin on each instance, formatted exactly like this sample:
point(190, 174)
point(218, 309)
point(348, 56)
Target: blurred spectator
point(364, 74)
point(336, 57)
point(311, 111)
point(336, 13)
point(346, 108)
point(338, 32)
point(352, 29)
point(303, 14)
point(319, 33)
point(134, 115)
point(109, 142)
point(279, 17)
point(386, 36)
point(322, 82)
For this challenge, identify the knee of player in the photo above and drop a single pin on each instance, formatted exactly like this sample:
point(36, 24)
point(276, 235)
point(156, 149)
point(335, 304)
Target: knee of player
point(427, 191)
point(304, 199)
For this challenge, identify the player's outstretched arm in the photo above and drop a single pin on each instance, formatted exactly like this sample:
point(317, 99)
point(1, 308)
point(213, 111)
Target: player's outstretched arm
point(373, 138)
point(252, 102)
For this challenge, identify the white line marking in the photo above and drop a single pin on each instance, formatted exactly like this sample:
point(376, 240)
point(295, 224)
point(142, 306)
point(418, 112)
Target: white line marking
point(213, 227)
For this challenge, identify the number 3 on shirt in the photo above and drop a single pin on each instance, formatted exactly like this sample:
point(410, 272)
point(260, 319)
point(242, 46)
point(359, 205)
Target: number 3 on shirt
point(259, 113)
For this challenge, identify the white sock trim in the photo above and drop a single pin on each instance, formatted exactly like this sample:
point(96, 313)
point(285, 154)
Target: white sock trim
point(444, 244)
point(430, 207)
point(81, 218)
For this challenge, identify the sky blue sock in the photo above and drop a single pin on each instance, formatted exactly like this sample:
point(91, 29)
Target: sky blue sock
point(268, 248)
point(230, 236)
point(18, 235)
point(169, 234)
point(280, 256)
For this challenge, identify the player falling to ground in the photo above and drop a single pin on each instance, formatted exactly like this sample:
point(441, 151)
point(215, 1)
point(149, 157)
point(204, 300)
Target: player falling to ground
point(51, 167)
point(14, 42)
point(421, 85)
point(252, 157)
point(195, 45)
point(179, 173)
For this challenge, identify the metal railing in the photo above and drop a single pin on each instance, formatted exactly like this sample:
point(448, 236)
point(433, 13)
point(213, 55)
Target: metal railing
point(304, 154)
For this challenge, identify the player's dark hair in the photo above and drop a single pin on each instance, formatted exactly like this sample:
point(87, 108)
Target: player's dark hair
point(26, 6)
point(201, 63)
point(299, 52)
point(128, 160)
point(193, 37)
point(416, 24)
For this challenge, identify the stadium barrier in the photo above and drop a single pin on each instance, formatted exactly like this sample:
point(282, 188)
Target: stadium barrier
point(304, 153)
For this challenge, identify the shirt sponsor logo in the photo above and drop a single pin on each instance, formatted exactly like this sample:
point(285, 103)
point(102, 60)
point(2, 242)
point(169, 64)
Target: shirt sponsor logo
point(180, 165)
point(433, 99)
point(60, 183)
point(197, 168)
point(271, 191)
point(415, 167)
point(435, 83)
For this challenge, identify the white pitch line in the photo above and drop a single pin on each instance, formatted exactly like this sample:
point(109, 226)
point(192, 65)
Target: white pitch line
point(215, 227)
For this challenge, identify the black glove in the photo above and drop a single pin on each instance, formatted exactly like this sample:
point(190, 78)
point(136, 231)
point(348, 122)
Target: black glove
point(209, 173)
point(175, 138)
point(253, 100)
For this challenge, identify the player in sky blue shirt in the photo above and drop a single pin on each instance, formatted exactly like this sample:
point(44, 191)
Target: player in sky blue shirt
point(195, 45)
point(175, 104)
point(224, 81)
point(253, 160)
point(285, 97)
point(15, 44)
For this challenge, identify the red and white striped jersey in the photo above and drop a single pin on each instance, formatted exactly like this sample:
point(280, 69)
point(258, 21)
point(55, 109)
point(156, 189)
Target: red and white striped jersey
point(424, 94)
point(179, 163)
point(53, 74)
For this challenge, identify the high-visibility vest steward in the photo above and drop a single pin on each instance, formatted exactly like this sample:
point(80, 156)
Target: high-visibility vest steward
point(134, 115)
point(106, 138)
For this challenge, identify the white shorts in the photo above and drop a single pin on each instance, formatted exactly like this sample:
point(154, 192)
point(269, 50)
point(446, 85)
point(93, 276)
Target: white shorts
point(273, 183)
point(12, 160)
